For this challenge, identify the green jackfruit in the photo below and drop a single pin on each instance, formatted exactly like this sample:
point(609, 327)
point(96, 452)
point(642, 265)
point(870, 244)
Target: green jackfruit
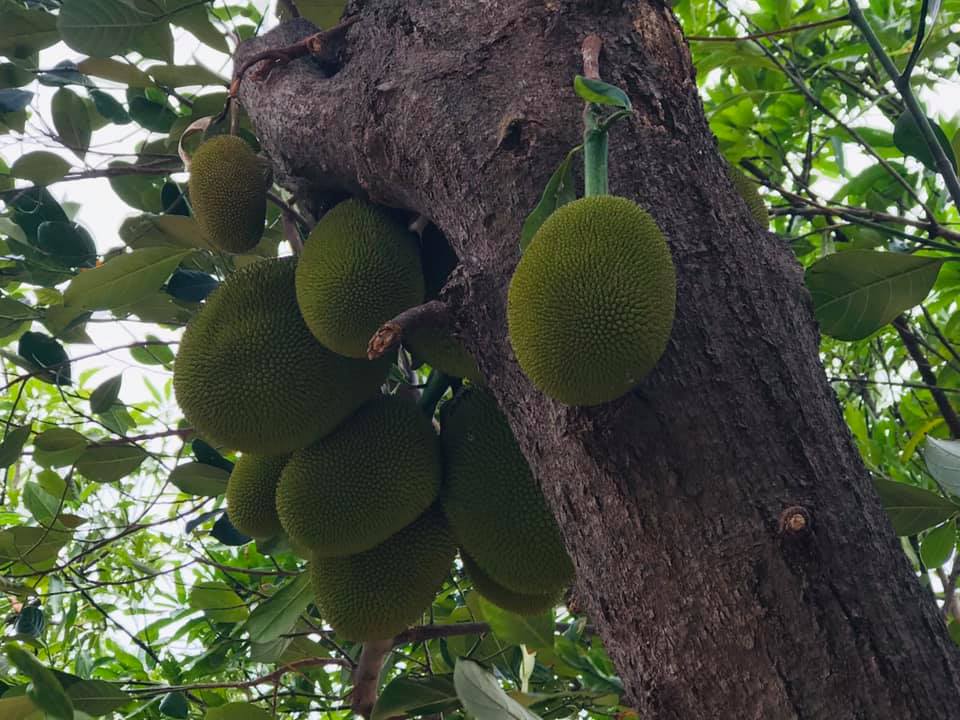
point(359, 268)
point(249, 375)
point(443, 352)
point(228, 193)
point(507, 599)
point(747, 189)
point(252, 495)
point(379, 593)
point(591, 304)
point(495, 509)
point(358, 486)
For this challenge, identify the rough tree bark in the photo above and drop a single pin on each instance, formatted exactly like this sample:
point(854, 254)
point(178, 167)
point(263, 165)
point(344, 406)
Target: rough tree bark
point(670, 500)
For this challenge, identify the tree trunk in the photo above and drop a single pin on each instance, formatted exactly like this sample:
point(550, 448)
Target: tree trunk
point(670, 499)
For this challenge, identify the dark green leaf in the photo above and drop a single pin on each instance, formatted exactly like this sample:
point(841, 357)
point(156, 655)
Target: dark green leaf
point(278, 614)
point(67, 244)
point(910, 141)
point(110, 463)
point(12, 100)
point(938, 544)
point(96, 697)
point(410, 697)
point(13, 444)
point(155, 352)
point(58, 447)
point(45, 690)
point(11, 309)
point(71, 121)
point(124, 279)
point(856, 293)
point(13, 76)
point(47, 355)
point(911, 509)
point(152, 116)
point(175, 705)
point(23, 31)
point(601, 93)
point(237, 711)
point(199, 479)
point(191, 285)
point(173, 231)
point(44, 506)
point(559, 192)
point(32, 545)
point(40, 167)
point(30, 622)
point(136, 190)
point(535, 631)
point(99, 27)
point(34, 207)
point(205, 453)
point(105, 395)
point(64, 73)
point(224, 531)
point(110, 108)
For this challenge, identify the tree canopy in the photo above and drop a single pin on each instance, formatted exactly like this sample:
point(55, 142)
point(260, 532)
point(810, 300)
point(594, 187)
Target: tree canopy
point(125, 588)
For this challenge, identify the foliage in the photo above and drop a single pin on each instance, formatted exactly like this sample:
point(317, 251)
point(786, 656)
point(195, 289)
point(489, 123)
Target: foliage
point(126, 590)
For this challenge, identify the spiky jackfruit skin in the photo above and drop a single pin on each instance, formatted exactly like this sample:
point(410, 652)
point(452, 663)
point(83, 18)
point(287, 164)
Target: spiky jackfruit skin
point(379, 593)
point(252, 495)
point(747, 189)
point(358, 486)
point(443, 352)
point(502, 597)
point(591, 304)
point(496, 511)
point(359, 268)
point(228, 193)
point(249, 374)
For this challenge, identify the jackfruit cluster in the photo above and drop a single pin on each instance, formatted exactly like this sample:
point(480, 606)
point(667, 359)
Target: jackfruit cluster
point(250, 375)
point(370, 478)
point(591, 304)
point(747, 189)
point(228, 192)
point(496, 511)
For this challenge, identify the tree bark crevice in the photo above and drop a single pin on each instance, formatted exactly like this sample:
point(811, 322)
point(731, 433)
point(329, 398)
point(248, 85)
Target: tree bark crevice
point(669, 499)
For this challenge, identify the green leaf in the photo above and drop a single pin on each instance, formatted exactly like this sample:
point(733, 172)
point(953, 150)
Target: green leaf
point(96, 697)
point(237, 711)
point(535, 631)
point(23, 31)
point(13, 444)
point(177, 76)
point(200, 479)
point(601, 93)
point(116, 71)
point(18, 708)
point(11, 309)
point(124, 279)
point(175, 705)
point(155, 41)
point(103, 398)
point(156, 352)
point(71, 121)
point(218, 602)
point(278, 614)
point(40, 167)
point(938, 544)
point(110, 463)
point(44, 506)
point(99, 27)
point(409, 697)
point(13, 76)
point(46, 356)
point(855, 293)
point(44, 690)
point(110, 108)
point(943, 462)
point(482, 695)
point(911, 509)
point(67, 244)
point(174, 231)
point(559, 192)
point(58, 447)
point(322, 13)
point(140, 191)
point(910, 141)
point(32, 545)
point(157, 117)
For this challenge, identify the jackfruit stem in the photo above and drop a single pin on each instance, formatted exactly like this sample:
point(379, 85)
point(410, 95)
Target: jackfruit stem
point(433, 314)
point(595, 146)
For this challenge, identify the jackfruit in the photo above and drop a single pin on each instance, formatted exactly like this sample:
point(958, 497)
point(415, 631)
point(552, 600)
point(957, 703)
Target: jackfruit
point(747, 189)
point(252, 495)
point(443, 352)
point(249, 375)
point(228, 193)
point(379, 593)
point(591, 304)
point(496, 511)
point(507, 599)
point(359, 268)
point(358, 486)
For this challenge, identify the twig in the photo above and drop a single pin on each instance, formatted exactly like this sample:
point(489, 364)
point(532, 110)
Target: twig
point(323, 44)
point(592, 45)
point(137, 641)
point(936, 331)
point(891, 383)
point(432, 314)
point(929, 377)
point(367, 674)
point(772, 33)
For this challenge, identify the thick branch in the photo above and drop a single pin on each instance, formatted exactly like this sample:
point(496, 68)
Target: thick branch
point(367, 674)
point(434, 314)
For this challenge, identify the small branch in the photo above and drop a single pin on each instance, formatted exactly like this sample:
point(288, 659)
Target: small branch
point(891, 383)
point(929, 377)
point(773, 33)
point(432, 314)
point(592, 45)
point(287, 209)
point(323, 44)
point(366, 676)
point(434, 632)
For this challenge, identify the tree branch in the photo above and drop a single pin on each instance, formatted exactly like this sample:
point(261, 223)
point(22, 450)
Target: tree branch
point(772, 33)
point(929, 377)
point(367, 674)
point(435, 314)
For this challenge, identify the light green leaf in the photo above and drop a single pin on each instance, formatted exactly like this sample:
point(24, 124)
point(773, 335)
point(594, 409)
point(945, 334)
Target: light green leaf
point(911, 509)
point(153, 352)
point(115, 70)
point(174, 231)
point(40, 167)
point(237, 711)
point(178, 76)
point(411, 697)
point(482, 695)
point(535, 631)
point(218, 602)
point(124, 279)
point(58, 447)
point(71, 121)
point(99, 27)
point(943, 462)
point(200, 479)
point(855, 293)
point(278, 614)
point(110, 463)
point(103, 398)
point(938, 544)
point(558, 192)
point(601, 93)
